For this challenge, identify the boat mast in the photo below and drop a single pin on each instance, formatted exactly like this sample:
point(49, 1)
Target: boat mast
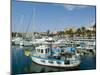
point(20, 23)
point(33, 21)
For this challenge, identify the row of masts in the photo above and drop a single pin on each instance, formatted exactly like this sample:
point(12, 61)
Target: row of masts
point(21, 27)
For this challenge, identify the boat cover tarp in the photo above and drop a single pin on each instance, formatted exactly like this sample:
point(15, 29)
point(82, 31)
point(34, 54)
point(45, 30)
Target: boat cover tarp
point(70, 49)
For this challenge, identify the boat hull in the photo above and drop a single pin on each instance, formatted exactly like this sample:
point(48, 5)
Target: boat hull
point(54, 64)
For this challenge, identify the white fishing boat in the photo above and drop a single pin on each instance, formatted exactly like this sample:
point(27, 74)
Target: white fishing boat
point(60, 41)
point(41, 41)
point(89, 45)
point(56, 57)
point(17, 40)
point(25, 43)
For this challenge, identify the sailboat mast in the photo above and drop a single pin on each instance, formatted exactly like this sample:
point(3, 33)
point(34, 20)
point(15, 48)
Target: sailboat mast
point(30, 34)
point(20, 23)
point(33, 21)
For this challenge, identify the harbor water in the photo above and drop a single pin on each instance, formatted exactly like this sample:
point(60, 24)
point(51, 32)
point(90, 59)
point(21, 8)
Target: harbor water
point(22, 64)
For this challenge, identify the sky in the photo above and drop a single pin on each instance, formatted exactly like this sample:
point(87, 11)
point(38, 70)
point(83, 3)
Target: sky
point(40, 17)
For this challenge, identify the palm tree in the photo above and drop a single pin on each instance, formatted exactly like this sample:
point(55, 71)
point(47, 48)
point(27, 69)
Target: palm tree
point(94, 26)
point(70, 33)
point(78, 32)
point(83, 30)
point(61, 33)
point(89, 33)
point(48, 32)
point(94, 29)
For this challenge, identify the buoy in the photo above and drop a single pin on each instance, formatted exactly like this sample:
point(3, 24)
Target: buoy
point(27, 53)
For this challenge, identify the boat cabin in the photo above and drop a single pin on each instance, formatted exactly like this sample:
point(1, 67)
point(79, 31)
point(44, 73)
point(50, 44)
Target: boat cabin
point(43, 51)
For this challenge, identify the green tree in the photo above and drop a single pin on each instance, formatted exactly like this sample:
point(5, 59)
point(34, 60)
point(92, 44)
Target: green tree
point(61, 33)
point(94, 29)
point(78, 32)
point(89, 33)
point(70, 33)
point(48, 32)
point(83, 30)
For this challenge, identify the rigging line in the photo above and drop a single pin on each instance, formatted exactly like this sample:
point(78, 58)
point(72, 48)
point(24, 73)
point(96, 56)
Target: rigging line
point(21, 22)
point(33, 19)
point(30, 23)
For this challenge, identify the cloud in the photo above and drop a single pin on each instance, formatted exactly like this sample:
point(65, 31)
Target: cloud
point(73, 7)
